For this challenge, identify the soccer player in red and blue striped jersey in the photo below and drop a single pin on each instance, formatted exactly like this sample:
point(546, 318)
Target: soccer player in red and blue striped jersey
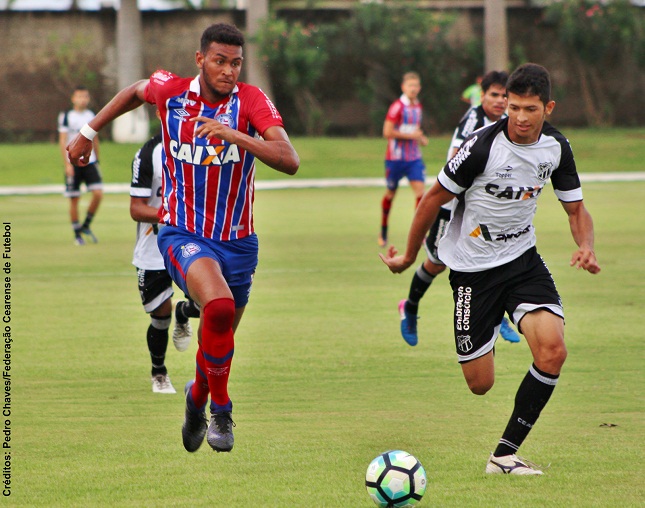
point(214, 128)
point(402, 129)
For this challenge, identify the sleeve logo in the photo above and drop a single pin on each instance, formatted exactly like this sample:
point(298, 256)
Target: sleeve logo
point(461, 155)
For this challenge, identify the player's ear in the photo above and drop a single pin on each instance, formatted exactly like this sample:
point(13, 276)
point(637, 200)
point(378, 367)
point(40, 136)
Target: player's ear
point(199, 59)
point(549, 107)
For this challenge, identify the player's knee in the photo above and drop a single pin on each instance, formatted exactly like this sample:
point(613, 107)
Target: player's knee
point(552, 357)
point(218, 315)
point(479, 387)
point(479, 382)
point(433, 268)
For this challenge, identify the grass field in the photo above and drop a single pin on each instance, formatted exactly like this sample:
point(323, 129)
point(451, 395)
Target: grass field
point(321, 381)
point(597, 150)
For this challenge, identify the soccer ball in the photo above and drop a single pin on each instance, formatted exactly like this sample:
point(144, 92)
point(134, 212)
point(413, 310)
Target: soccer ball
point(395, 479)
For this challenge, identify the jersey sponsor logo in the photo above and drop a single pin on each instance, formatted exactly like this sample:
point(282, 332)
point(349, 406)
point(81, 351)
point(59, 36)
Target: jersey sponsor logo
point(518, 193)
point(544, 170)
point(461, 155)
point(464, 344)
point(190, 249)
point(208, 155)
point(161, 77)
point(470, 124)
point(141, 279)
point(180, 114)
point(482, 230)
point(274, 111)
point(462, 309)
point(504, 237)
point(136, 166)
point(185, 102)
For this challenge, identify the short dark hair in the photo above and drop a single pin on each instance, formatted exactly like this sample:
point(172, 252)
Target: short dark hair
point(410, 75)
point(80, 88)
point(221, 33)
point(530, 79)
point(494, 78)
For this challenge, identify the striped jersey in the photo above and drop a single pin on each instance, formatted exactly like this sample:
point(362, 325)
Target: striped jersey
point(146, 183)
point(498, 183)
point(70, 123)
point(406, 117)
point(474, 119)
point(208, 186)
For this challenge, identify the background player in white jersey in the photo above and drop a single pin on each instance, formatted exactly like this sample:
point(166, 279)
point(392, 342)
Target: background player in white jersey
point(155, 285)
point(69, 124)
point(491, 109)
point(498, 174)
point(402, 129)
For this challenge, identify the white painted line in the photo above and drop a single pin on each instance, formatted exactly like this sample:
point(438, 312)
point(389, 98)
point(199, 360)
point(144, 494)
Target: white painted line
point(302, 183)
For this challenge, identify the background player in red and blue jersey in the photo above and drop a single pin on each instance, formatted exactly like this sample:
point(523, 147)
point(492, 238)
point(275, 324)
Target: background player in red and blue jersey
point(213, 129)
point(402, 129)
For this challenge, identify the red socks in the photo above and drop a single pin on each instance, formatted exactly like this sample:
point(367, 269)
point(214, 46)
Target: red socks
point(215, 353)
point(386, 204)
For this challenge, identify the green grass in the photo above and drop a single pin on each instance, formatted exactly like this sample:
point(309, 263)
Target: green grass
point(596, 150)
point(321, 381)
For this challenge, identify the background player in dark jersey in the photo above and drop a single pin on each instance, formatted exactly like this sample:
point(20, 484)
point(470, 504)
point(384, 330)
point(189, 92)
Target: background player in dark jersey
point(155, 285)
point(498, 174)
point(213, 129)
point(402, 129)
point(491, 109)
point(69, 125)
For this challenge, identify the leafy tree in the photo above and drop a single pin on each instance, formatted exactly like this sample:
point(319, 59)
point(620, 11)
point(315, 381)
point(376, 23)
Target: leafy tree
point(602, 39)
point(296, 55)
point(363, 56)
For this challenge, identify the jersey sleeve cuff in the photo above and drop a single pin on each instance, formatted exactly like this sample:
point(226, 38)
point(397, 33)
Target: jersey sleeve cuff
point(139, 192)
point(569, 196)
point(449, 184)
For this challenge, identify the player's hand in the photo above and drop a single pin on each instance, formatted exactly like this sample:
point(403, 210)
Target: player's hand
point(423, 140)
point(396, 264)
point(210, 128)
point(79, 150)
point(586, 259)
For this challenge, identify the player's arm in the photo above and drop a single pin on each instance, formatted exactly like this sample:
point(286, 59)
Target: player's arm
point(140, 211)
point(131, 97)
point(424, 217)
point(391, 132)
point(581, 225)
point(95, 145)
point(274, 149)
point(62, 143)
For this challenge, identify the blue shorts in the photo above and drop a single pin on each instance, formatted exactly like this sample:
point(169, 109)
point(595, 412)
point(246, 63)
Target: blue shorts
point(412, 170)
point(236, 258)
